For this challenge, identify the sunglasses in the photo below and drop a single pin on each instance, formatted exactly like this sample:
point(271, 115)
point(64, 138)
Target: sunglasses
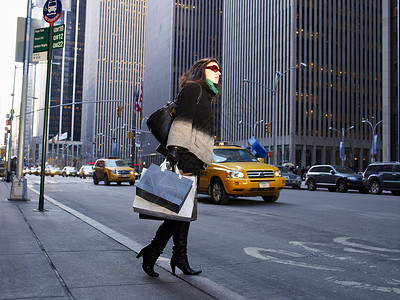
point(214, 68)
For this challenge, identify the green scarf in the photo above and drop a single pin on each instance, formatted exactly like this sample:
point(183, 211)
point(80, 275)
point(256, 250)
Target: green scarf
point(212, 86)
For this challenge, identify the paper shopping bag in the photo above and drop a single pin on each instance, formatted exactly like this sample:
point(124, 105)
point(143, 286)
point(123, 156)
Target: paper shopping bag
point(164, 188)
point(143, 206)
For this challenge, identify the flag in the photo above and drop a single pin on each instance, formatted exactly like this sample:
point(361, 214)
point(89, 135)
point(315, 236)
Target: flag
point(64, 136)
point(138, 100)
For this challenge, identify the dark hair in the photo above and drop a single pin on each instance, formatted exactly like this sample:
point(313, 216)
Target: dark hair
point(197, 73)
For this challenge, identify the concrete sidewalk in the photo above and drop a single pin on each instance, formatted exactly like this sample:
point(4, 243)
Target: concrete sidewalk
point(57, 255)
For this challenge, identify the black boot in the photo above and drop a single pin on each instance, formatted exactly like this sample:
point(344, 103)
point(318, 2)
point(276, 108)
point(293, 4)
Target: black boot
point(179, 252)
point(152, 251)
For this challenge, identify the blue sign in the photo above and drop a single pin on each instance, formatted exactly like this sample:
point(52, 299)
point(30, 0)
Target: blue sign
point(114, 149)
point(52, 11)
point(341, 154)
point(375, 144)
point(256, 149)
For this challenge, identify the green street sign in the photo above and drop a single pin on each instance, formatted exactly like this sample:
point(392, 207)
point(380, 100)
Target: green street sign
point(41, 38)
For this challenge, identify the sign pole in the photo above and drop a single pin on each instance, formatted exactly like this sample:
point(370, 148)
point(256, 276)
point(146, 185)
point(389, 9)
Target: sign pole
point(51, 14)
point(45, 123)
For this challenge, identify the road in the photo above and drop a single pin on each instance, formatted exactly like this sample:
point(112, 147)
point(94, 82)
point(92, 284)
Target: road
point(307, 245)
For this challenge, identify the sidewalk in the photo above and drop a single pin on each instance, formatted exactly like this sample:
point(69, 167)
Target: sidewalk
point(56, 255)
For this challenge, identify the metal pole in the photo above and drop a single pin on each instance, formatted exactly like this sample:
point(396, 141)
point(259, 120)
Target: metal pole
point(275, 117)
point(10, 133)
point(75, 64)
point(344, 148)
point(45, 120)
point(18, 188)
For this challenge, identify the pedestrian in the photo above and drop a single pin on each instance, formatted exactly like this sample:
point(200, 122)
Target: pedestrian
point(190, 145)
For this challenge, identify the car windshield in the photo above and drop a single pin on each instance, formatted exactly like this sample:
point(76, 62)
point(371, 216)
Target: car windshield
point(116, 163)
point(232, 155)
point(345, 170)
point(284, 169)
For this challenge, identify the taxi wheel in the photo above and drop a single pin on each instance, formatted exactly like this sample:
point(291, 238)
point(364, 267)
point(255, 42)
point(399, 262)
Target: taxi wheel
point(106, 181)
point(270, 198)
point(95, 181)
point(218, 194)
point(131, 182)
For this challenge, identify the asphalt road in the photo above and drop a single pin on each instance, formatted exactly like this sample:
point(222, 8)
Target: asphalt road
point(307, 245)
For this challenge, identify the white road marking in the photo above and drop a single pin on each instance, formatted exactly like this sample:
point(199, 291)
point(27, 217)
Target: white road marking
point(256, 252)
point(344, 241)
point(314, 249)
point(364, 286)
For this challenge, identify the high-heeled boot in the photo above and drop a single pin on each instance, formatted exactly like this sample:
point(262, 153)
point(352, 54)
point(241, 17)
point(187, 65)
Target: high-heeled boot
point(179, 251)
point(153, 251)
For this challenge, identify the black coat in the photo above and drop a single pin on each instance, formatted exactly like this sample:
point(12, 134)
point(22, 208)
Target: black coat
point(193, 126)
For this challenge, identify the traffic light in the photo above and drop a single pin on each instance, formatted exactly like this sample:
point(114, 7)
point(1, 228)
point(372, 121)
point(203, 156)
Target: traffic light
point(268, 127)
point(119, 111)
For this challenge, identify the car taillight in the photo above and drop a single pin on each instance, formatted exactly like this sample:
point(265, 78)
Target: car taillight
point(364, 174)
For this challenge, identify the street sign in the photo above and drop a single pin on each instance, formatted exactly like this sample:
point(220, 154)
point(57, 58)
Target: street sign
point(39, 56)
point(52, 11)
point(41, 38)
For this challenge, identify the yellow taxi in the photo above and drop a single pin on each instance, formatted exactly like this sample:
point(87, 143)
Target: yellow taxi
point(113, 170)
point(234, 171)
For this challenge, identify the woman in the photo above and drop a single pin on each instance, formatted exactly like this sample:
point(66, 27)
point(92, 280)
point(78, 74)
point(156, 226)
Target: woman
point(190, 145)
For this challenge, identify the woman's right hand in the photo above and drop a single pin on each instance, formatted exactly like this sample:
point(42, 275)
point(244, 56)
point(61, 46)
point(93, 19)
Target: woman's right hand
point(173, 155)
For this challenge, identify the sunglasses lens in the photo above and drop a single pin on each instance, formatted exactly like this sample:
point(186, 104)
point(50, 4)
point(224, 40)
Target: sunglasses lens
point(214, 69)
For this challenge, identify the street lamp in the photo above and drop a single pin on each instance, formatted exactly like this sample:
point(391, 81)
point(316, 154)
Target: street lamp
point(254, 126)
point(274, 92)
point(374, 139)
point(343, 134)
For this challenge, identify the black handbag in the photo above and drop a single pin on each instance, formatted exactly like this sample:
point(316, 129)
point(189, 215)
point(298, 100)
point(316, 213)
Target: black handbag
point(159, 123)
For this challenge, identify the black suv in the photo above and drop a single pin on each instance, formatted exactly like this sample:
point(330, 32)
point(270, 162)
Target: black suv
point(383, 176)
point(334, 178)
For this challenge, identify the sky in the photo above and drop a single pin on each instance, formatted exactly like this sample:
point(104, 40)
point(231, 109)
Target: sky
point(8, 28)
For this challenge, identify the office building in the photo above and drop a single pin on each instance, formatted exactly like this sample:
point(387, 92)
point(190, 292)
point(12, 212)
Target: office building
point(113, 74)
point(265, 42)
point(177, 34)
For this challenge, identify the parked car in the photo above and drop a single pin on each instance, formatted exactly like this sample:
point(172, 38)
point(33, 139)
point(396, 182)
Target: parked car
point(69, 171)
point(335, 178)
point(291, 179)
point(383, 176)
point(113, 170)
point(234, 171)
point(85, 171)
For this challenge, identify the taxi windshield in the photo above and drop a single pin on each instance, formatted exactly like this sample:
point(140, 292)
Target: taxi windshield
point(116, 163)
point(232, 155)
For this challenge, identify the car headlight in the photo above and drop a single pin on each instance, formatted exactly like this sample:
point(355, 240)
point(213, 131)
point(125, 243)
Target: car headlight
point(286, 177)
point(132, 172)
point(278, 173)
point(352, 178)
point(234, 174)
point(67, 173)
point(113, 171)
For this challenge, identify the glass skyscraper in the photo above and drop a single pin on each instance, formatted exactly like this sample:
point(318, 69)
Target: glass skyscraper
point(310, 108)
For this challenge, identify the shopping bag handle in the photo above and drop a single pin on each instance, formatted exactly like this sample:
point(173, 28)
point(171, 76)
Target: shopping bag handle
point(163, 167)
